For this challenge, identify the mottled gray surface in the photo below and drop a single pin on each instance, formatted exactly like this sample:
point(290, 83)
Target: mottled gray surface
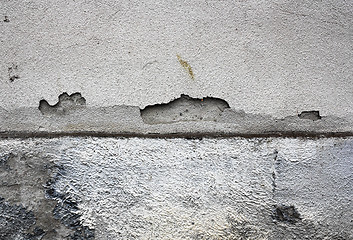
point(25, 170)
point(14, 220)
point(183, 117)
point(131, 188)
point(273, 63)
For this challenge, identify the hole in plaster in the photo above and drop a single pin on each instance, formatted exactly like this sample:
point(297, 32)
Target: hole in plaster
point(65, 104)
point(312, 115)
point(6, 19)
point(13, 78)
point(13, 73)
point(184, 108)
point(286, 213)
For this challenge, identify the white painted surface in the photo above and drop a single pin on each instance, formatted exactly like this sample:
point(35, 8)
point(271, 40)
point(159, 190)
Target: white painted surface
point(276, 57)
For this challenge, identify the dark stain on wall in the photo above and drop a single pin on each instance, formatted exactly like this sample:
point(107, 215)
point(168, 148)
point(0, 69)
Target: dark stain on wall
point(13, 73)
point(66, 210)
point(39, 212)
point(286, 213)
point(274, 171)
point(4, 161)
point(15, 220)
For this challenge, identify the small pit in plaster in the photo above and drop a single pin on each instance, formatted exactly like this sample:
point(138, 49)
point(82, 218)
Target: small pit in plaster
point(312, 115)
point(13, 73)
point(184, 108)
point(65, 104)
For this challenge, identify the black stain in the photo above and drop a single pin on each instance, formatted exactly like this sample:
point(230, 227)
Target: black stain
point(286, 213)
point(12, 71)
point(274, 173)
point(4, 161)
point(13, 78)
point(6, 19)
point(66, 210)
point(15, 220)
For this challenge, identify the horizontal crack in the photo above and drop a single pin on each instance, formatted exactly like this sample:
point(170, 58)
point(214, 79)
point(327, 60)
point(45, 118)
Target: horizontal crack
point(195, 135)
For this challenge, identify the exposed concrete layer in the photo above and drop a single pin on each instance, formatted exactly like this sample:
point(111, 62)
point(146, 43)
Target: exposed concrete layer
point(65, 104)
point(278, 57)
point(185, 109)
point(184, 117)
point(130, 188)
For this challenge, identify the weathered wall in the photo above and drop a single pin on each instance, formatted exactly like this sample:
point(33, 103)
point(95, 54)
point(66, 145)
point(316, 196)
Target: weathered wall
point(201, 74)
point(269, 57)
point(131, 188)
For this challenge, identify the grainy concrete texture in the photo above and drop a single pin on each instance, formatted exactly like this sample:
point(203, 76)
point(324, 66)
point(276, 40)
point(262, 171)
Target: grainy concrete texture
point(275, 57)
point(182, 117)
point(133, 188)
point(162, 119)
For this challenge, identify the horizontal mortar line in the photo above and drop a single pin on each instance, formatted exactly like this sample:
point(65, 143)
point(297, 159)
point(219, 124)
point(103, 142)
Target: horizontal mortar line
point(188, 135)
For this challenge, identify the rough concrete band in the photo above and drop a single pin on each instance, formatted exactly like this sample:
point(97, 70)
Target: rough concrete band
point(182, 117)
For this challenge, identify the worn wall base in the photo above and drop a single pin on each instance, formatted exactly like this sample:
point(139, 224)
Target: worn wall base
point(127, 121)
point(133, 188)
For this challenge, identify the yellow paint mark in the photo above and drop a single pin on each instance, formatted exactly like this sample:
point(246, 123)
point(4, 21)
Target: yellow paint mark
point(186, 66)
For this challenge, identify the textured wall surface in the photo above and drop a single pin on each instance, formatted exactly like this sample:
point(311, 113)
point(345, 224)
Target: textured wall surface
point(131, 188)
point(267, 57)
point(193, 77)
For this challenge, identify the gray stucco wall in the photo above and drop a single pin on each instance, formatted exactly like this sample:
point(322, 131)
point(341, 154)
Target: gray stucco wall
point(176, 119)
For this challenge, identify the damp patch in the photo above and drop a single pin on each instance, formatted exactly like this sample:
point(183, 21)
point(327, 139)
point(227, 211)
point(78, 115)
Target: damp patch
point(64, 106)
point(312, 115)
point(66, 209)
point(286, 213)
point(184, 108)
point(15, 220)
